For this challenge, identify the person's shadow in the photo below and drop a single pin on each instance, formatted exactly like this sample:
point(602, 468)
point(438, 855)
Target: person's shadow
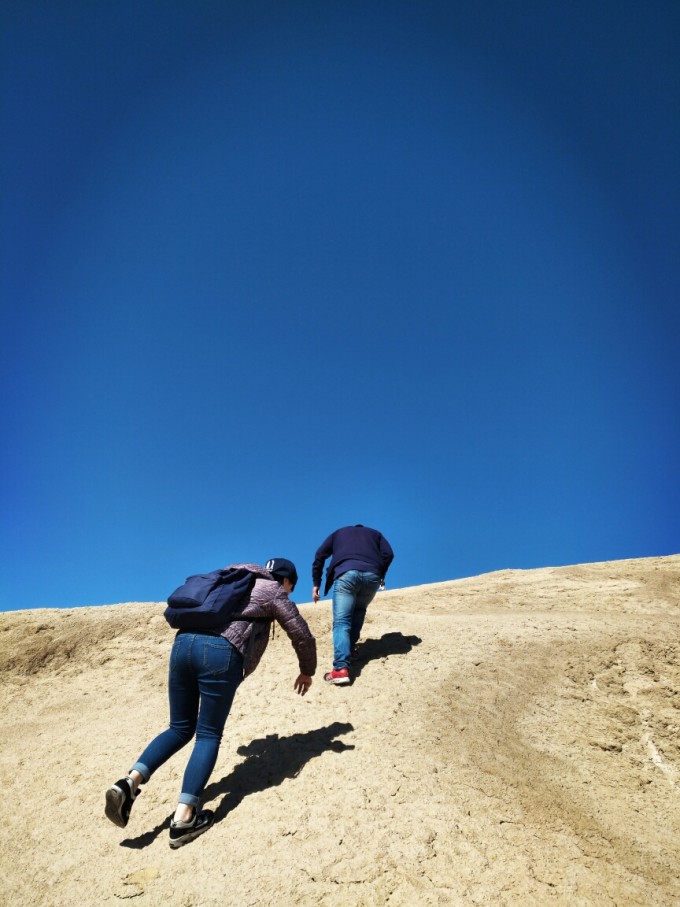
point(394, 643)
point(269, 761)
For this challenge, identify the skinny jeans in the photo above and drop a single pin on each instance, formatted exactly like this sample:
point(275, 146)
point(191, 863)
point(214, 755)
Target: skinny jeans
point(204, 674)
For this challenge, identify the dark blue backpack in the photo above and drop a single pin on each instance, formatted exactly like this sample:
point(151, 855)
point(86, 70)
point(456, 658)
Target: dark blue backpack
point(206, 601)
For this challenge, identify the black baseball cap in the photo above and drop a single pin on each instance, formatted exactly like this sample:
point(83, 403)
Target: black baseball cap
point(281, 568)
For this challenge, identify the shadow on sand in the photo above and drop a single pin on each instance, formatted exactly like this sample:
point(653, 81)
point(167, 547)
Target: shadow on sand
point(389, 644)
point(269, 761)
point(148, 837)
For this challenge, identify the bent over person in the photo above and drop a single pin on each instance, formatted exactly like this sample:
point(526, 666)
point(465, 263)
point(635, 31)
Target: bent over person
point(206, 668)
point(360, 558)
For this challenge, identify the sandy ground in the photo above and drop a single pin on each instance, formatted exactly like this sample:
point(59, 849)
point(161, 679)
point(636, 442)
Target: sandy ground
point(512, 738)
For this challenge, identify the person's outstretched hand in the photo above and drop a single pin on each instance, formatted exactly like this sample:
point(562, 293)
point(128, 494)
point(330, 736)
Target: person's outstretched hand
point(315, 594)
point(302, 684)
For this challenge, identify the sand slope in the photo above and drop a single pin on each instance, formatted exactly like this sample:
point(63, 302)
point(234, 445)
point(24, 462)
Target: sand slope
point(512, 738)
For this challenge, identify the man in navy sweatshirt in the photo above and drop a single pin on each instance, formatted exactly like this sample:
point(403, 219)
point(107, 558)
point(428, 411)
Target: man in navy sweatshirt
point(360, 558)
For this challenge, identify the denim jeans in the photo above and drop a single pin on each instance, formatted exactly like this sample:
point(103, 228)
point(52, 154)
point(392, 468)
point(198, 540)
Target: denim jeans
point(205, 672)
point(352, 594)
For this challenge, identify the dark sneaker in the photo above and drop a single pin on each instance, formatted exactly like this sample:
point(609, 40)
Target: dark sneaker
point(354, 654)
point(183, 832)
point(119, 800)
point(338, 677)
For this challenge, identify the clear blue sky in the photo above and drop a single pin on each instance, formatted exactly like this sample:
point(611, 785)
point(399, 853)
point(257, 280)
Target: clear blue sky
point(273, 268)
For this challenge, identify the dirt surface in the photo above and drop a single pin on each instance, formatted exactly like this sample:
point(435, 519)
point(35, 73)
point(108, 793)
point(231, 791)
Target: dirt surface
point(512, 738)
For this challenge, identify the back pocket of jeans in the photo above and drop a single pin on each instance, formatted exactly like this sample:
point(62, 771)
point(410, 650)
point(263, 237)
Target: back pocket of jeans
point(216, 658)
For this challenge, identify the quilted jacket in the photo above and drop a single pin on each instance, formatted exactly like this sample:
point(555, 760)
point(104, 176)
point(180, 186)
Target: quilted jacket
point(249, 630)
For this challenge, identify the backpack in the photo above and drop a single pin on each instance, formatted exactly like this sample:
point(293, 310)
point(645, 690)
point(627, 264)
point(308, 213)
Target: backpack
point(206, 601)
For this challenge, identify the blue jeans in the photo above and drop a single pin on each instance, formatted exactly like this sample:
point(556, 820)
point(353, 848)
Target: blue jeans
point(205, 672)
point(352, 594)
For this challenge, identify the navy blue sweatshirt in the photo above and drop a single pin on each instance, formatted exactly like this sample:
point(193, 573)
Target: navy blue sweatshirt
point(352, 548)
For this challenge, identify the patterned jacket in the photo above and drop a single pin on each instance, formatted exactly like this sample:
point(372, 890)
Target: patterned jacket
point(249, 630)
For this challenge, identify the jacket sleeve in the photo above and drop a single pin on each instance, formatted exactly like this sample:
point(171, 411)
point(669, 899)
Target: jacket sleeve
point(298, 632)
point(386, 555)
point(323, 552)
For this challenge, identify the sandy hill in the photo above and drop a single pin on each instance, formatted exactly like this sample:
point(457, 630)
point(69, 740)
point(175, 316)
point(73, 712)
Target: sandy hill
point(512, 738)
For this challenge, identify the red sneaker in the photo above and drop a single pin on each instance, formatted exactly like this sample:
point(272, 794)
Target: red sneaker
point(337, 677)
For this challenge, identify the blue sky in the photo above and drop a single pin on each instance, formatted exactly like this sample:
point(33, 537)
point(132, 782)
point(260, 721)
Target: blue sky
point(273, 268)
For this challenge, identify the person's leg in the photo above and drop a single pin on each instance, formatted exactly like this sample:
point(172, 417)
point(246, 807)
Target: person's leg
point(344, 600)
point(367, 585)
point(183, 695)
point(218, 667)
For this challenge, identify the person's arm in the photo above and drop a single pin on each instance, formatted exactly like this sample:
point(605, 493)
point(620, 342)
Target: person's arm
point(297, 630)
point(386, 555)
point(324, 551)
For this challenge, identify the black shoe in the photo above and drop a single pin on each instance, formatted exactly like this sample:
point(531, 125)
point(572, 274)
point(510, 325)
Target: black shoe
point(119, 800)
point(183, 832)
